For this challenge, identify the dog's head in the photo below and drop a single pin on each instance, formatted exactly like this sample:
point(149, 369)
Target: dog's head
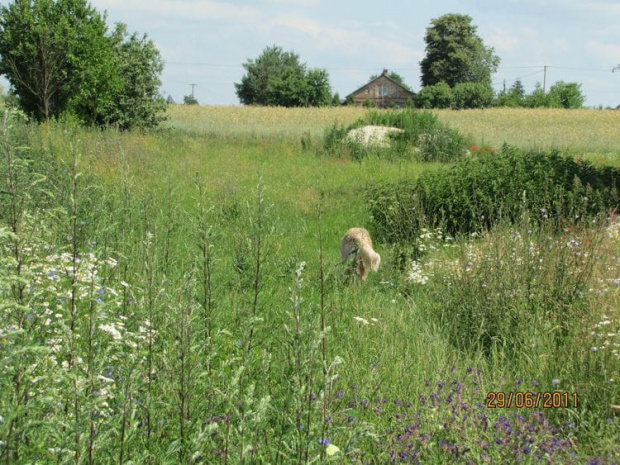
point(375, 261)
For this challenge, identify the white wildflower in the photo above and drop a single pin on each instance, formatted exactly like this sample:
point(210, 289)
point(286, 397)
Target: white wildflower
point(111, 329)
point(416, 274)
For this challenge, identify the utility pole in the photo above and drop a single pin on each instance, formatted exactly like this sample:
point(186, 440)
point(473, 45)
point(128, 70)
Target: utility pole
point(544, 79)
point(193, 85)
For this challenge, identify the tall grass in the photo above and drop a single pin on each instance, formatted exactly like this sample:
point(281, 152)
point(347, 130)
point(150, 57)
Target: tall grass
point(183, 302)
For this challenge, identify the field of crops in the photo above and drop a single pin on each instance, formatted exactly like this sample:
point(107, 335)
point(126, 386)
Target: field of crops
point(588, 131)
point(178, 297)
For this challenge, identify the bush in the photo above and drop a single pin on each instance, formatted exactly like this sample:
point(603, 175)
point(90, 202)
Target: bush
point(460, 97)
point(477, 192)
point(537, 99)
point(436, 96)
point(566, 95)
point(472, 95)
point(424, 137)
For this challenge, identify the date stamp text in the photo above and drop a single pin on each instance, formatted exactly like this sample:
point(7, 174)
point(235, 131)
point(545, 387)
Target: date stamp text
point(554, 399)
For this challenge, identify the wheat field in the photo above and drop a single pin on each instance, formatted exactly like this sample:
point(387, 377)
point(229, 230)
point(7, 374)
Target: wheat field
point(585, 131)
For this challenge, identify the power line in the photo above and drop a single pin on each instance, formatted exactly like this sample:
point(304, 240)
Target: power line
point(598, 70)
point(518, 78)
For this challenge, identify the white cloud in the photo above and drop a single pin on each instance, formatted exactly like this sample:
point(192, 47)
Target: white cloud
point(295, 2)
point(304, 25)
point(610, 53)
point(502, 40)
point(560, 45)
point(353, 40)
point(602, 8)
point(184, 9)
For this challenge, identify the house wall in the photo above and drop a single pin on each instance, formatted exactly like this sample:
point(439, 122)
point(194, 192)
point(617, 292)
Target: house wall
point(382, 92)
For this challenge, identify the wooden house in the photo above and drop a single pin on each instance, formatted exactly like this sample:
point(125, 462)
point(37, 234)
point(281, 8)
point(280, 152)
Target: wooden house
point(381, 92)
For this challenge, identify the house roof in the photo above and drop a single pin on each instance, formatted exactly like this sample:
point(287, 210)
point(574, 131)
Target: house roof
point(384, 74)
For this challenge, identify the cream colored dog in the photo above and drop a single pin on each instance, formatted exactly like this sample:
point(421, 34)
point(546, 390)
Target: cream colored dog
point(356, 245)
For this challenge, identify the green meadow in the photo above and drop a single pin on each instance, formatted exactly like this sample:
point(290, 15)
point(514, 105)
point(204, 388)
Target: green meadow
point(177, 296)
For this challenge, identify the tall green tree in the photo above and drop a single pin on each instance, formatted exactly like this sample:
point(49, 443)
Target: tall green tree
point(455, 53)
point(48, 48)
point(60, 57)
point(138, 102)
point(566, 95)
point(277, 77)
point(319, 89)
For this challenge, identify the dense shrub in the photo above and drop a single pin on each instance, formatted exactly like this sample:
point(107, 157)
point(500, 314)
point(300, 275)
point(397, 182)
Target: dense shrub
point(477, 192)
point(566, 95)
point(472, 95)
point(537, 99)
point(462, 96)
point(424, 137)
point(436, 96)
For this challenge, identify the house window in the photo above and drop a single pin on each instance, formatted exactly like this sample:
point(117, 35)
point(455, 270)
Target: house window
point(383, 90)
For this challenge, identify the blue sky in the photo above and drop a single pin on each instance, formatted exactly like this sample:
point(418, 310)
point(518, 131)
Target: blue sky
point(205, 42)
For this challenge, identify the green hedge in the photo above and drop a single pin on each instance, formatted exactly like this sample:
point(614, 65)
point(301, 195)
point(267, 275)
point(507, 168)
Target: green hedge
point(477, 192)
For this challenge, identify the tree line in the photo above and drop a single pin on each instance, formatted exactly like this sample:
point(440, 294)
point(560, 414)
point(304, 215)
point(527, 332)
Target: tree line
point(455, 73)
point(63, 61)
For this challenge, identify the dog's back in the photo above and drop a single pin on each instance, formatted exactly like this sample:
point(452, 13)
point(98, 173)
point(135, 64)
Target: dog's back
point(352, 241)
point(357, 245)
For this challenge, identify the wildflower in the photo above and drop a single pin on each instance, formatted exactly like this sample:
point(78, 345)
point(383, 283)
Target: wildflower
point(361, 320)
point(555, 382)
point(416, 274)
point(111, 329)
point(324, 442)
